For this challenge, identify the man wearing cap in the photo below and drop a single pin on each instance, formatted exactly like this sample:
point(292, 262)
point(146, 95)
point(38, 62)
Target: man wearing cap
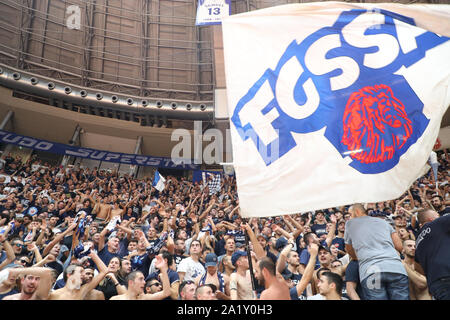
point(288, 263)
point(240, 281)
point(325, 257)
point(214, 277)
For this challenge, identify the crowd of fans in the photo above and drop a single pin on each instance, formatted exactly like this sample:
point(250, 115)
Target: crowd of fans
point(89, 234)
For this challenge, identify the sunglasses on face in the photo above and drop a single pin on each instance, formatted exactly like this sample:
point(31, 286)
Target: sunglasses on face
point(155, 284)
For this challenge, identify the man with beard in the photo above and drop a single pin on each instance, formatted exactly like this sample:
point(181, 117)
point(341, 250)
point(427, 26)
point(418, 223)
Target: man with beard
point(74, 288)
point(136, 284)
point(275, 288)
point(86, 277)
point(179, 252)
point(35, 284)
point(439, 205)
point(125, 269)
point(418, 288)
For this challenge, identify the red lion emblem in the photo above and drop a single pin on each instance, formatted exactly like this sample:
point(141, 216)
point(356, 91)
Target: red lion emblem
point(375, 124)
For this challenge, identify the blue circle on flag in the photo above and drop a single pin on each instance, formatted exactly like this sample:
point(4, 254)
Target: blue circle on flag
point(32, 211)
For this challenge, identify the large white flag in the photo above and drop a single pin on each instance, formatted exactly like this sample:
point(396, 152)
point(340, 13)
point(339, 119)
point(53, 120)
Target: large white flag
point(333, 103)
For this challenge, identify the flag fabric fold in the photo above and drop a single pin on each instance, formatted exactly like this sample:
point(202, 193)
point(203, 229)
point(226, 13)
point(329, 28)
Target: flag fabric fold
point(158, 181)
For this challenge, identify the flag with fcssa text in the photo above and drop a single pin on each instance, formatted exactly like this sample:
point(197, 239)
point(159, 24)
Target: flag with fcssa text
point(333, 103)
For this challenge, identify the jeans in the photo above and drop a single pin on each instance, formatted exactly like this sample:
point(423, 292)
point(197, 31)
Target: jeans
point(440, 289)
point(386, 286)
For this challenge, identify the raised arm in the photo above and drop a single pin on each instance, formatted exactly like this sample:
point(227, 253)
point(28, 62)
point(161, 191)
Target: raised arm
point(45, 282)
point(10, 256)
point(332, 232)
point(257, 248)
point(313, 250)
point(205, 212)
point(282, 258)
point(297, 226)
point(101, 239)
point(162, 266)
point(102, 271)
point(58, 239)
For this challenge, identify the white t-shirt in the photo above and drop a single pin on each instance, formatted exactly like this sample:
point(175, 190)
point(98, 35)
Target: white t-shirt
point(191, 268)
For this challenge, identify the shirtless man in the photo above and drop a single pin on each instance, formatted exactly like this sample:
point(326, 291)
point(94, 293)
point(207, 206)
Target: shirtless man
point(276, 288)
point(240, 281)
point(418, 288)
point(87, 277)
point(116, 210)
point(74, 288)
point(35, 283)
point(212, 276)
point(102, 211)
point(136, 284)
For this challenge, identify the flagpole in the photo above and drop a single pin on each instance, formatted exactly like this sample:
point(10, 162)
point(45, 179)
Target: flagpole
point(250, 263)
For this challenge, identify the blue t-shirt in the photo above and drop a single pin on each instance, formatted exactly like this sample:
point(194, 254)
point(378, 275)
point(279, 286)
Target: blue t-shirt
point(432, 250)
point(105, 255)
point(219, 248)
point(352, 275)
point(319, 229)
point(304, 256)
point(141, 263)
point(339, 243)
point(9, 293)
point(2, 256)
point(294, 295)
point(298, 246)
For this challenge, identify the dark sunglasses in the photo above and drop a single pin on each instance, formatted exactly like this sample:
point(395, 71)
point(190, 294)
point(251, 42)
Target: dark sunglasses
point(155, 284)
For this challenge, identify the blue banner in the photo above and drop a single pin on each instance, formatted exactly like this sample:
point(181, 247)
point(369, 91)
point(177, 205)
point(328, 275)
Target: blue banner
point(100, 155)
